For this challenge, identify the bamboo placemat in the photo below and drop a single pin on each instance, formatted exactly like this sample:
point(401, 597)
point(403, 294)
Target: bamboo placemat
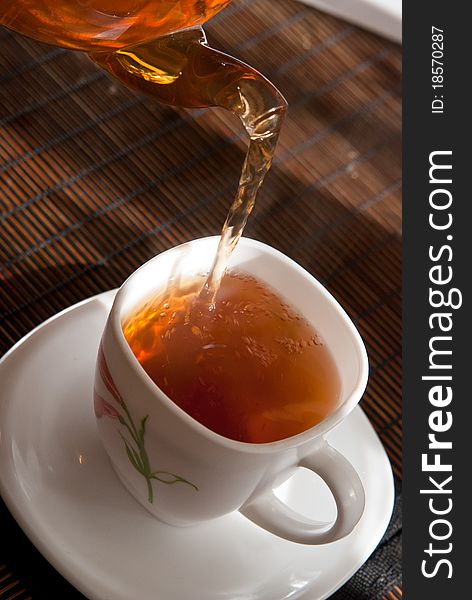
point(95, 180)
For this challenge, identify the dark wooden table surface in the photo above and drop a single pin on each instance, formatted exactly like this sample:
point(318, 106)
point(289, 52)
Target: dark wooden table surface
point(95, 180)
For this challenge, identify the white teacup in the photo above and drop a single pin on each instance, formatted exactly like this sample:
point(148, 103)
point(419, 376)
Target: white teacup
point(185, 473)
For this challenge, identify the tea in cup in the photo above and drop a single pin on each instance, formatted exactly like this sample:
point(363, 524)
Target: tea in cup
point(204, 410)
point(247, 366)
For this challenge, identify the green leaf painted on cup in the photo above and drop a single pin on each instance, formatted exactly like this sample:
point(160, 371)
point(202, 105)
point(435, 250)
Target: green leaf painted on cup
point(138, 456)
point(170, 478)
point(133, 457)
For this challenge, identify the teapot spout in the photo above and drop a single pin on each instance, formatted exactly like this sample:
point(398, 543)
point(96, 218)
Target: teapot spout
point(180, 69)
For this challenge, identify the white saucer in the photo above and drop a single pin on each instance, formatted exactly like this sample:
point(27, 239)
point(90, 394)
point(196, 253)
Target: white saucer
point(60, 487)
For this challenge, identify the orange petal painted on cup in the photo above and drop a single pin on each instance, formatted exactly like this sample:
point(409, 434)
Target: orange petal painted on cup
point(102, 407)
point(106, 376)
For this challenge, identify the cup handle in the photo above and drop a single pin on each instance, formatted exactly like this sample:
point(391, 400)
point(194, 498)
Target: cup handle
point(275, 516)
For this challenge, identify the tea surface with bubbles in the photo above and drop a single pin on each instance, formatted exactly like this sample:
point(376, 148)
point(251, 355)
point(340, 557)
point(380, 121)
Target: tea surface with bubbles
point(251, 369)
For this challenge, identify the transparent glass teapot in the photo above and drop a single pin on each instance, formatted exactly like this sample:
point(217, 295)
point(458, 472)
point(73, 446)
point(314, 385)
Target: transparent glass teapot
point(158, 47)
point(154, 46)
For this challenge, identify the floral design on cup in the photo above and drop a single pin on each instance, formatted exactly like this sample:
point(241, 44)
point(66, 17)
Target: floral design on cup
point(135, 448)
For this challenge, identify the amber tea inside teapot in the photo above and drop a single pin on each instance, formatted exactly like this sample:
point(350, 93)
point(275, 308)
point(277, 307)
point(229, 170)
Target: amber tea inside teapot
point(110, 24)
